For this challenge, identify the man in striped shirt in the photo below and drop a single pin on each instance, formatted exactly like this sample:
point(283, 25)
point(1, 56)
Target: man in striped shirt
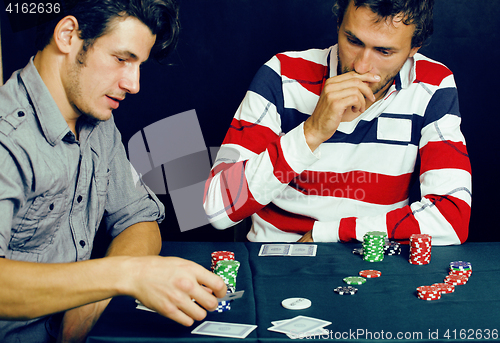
point(327, 143)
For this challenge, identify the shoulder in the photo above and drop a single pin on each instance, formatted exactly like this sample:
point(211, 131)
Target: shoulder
point(307, 60)
point(14, 107)
point(430, 71)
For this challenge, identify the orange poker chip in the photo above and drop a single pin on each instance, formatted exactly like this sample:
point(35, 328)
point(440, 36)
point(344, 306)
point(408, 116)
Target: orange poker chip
point(370, 274)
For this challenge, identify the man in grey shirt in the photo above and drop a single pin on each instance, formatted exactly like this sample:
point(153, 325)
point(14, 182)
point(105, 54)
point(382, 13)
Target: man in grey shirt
point(63, 169)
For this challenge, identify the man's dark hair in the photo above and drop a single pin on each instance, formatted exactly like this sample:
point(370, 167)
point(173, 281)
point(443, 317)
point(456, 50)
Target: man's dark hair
point(417, 12)
point(94, 18)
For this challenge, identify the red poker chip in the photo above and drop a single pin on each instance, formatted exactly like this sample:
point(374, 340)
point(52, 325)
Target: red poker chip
point(461, 272)
point(444, 288)
point(429, 298)
point(221, 256)
point(427, 289)
point(370, 273)
point(428, 292)
point(456, 279)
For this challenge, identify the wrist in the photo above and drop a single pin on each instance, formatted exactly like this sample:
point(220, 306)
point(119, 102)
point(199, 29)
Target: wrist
point(124, 270)
point(311, 136)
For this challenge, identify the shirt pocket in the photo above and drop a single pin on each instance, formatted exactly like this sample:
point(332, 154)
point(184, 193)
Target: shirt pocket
point(36, 229)
point(394, 129)
point(101, 181)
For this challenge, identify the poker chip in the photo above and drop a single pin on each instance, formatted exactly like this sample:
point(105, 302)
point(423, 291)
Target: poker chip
point(296, 303)
point(460, 266)
point(354, 280)
point(345, 290)
point(221, 256)
point(392, 248)
point(444, 288)
point(429, 293)
point(370, 273)
point(467, 273)
point(223, 306)
point(227, 270)
point(358, 251)
point(420, 249)
point(373, 246)
point(456, 279)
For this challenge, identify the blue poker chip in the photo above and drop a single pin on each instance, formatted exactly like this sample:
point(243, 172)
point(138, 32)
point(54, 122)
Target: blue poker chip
point(223, 306)
point(460, 265)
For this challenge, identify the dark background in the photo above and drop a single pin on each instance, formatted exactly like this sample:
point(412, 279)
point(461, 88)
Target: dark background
point(224, 42)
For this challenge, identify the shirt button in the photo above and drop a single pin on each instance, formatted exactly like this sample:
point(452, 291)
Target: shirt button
point(20, 114)
point(51, 207)
point(79, 199)
point(82, 243)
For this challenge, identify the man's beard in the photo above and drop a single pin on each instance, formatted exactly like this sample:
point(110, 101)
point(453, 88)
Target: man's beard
point(380, 85)
point(74, 89)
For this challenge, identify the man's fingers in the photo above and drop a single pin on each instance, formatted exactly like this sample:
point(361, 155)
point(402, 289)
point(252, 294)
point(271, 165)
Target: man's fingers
point(212, 281)
point(350, 85)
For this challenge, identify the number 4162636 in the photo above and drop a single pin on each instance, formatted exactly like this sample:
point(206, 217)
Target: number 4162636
point(33, 8)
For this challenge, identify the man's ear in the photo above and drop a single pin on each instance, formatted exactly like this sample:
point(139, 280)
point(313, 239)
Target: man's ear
point(66, 34)
point(414, 50)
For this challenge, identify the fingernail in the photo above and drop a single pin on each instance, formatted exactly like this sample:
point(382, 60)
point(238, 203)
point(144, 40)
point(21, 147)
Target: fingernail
point(377, 77)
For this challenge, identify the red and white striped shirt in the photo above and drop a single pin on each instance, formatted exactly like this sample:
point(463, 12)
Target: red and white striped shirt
point(357, 181)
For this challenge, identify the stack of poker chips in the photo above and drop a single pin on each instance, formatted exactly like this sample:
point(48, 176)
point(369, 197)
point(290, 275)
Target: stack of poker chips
point(392, 248)
point(224, 265)
point(429, 292)
point(373, 246)
point(221, 256)
point(224, 305)
point(420, 249)
point(459, 273)
point(345, 290)
point(444, 288)
point(227, 270)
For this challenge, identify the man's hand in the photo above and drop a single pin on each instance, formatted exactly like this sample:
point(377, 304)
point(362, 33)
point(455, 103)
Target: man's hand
point(307, 238)
point(168, 285)
point(78, 322)
point(344, 97)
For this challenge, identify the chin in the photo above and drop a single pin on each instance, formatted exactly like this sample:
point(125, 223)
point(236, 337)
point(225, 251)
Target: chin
point(95, 118)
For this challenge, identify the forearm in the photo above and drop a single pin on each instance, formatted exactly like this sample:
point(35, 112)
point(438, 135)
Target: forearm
point(137, 240)
point(31, 290)
point(236, 191)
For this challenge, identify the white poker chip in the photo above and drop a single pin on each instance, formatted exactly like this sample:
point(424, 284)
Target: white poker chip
point(296, 303)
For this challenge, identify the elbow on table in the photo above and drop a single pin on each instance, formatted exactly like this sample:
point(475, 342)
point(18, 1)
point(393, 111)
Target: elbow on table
point(222, 223)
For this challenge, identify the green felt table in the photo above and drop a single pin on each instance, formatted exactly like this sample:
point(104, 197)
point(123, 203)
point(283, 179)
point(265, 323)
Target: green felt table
point(383, 308)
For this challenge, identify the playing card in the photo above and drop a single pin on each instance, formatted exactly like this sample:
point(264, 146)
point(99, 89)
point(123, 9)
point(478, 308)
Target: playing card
point(300, 325)
point(304, 250)
point(142, 307)
point(232, 296)
point(274, 250)
point(220, 329)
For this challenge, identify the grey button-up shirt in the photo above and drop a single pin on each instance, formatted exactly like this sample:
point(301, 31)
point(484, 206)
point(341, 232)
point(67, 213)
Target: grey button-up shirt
point(54, 189)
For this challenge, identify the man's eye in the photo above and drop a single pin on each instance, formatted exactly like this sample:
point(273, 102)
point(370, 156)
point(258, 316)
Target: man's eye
point(353, 42)
point(385, 52)
point(120, 59)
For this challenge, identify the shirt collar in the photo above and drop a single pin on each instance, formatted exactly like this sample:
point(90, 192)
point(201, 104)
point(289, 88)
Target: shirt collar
point(53, 125)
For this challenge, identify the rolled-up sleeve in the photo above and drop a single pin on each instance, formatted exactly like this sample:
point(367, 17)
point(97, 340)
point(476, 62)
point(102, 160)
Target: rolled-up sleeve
point(128, 199)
